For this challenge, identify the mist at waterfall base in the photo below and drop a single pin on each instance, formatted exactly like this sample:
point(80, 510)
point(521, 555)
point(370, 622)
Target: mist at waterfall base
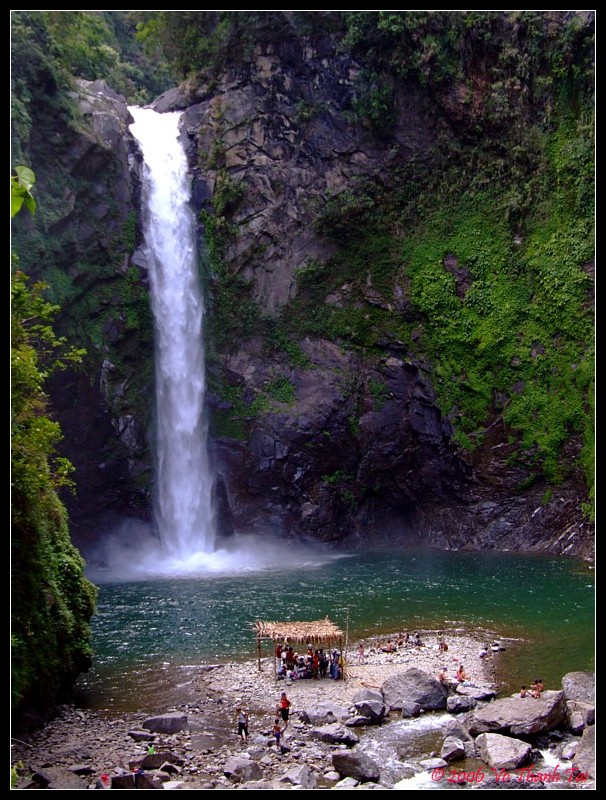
point(134, 553)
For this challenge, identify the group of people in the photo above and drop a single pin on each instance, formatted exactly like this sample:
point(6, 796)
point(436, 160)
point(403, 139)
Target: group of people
point(315, 663)
point(280, 721)
point(392, 646)
point(461, 677)
point(535, 689)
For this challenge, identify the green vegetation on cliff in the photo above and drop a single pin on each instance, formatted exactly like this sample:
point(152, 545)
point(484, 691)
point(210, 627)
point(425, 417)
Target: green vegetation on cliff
point(477, 257)
point(51, 601)
point(471, 252)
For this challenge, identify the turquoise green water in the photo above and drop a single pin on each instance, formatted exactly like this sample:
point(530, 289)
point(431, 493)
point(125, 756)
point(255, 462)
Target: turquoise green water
point(542, 609)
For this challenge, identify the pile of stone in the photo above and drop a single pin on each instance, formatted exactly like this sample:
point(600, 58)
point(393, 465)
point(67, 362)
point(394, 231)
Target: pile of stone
point(196, 747)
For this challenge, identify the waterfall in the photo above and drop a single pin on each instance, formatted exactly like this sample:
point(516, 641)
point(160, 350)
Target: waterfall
point(183, 514)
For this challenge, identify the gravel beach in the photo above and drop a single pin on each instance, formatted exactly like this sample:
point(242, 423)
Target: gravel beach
point(91, 743)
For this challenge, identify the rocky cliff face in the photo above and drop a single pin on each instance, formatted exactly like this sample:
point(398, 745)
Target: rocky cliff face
point(79, 242)
point(348, 445)
point(361, 450)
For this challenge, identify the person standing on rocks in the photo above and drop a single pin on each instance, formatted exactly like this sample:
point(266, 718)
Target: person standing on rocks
point(242, 724)
point(276, 732)
point(284, 709)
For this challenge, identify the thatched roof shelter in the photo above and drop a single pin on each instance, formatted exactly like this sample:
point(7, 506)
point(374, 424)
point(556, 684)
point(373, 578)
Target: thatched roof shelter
point(322, 632)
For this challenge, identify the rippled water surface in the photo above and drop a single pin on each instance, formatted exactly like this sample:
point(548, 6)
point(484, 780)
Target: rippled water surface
point(152, 633)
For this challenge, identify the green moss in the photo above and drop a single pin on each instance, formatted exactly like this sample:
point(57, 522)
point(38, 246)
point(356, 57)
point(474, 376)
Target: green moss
point(499, 279)
point(380, 393)
point(224, 424)
point(281, 389)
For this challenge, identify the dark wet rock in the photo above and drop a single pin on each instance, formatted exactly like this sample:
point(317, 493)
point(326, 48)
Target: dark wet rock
point(414, 686)
point(372, 709)
point(410, 710)
point(460, 705)
point(356, 765)
point(335, 734)
point(166, 723)
point(452, 749)
point(57, 778)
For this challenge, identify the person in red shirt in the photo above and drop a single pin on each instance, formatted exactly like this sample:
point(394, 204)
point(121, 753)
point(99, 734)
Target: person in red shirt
point(284, 708)
point(290, 658)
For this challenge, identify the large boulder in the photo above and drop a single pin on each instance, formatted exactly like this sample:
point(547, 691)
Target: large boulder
point(242, 769)
point(480, 693)
point(520, 716)
point(56, 778)
point(579, 686)
point(324, 714)
point(166, 723)
point(585, 755)
point(579, 691)
point(300, 775)
point(453, 748)
point(459, 705)
point(372, 710)
point(502, 752)
point(414, 686)
point(335, 734)
point(410, 710)
point(136, 780)
point(159, 759)
point(367, 695)
point(356, 765)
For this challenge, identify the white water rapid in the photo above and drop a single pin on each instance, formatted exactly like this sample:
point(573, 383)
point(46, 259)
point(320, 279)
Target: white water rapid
point(183, 504)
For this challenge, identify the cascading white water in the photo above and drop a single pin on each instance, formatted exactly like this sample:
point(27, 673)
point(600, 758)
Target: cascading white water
point(183, 514)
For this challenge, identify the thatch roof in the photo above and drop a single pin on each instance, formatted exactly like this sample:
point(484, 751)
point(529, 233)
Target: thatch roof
point(322, 630)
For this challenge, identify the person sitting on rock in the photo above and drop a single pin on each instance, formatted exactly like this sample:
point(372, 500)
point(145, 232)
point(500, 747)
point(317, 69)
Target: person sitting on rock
point(290, 658)
point(535, 689)
point(462, 676)
point(443, 677)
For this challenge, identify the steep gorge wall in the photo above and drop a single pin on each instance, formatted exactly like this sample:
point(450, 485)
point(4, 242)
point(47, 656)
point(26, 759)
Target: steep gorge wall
point(360, 448)
point(311, 437)
point(80, 243)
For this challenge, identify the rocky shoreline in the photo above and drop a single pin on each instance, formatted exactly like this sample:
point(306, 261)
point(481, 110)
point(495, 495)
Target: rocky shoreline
point(196, 744)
